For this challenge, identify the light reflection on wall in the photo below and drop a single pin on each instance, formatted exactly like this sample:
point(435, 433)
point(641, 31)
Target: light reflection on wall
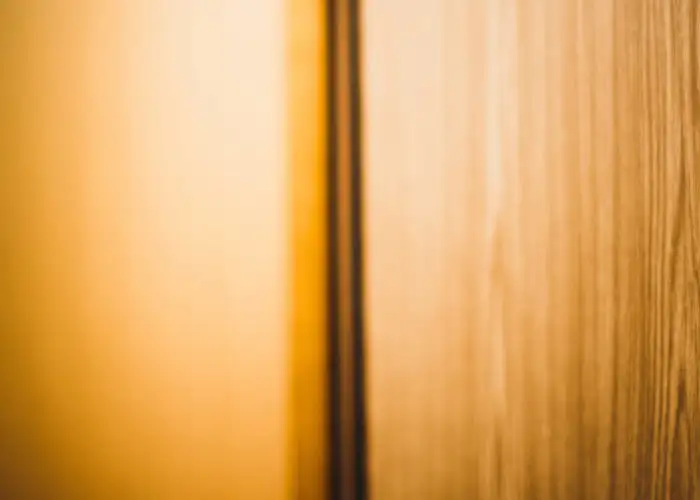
point(146, 249)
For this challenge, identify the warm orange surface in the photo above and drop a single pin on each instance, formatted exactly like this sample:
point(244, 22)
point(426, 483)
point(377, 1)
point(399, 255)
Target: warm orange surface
point(145, 250)
point(306, 46)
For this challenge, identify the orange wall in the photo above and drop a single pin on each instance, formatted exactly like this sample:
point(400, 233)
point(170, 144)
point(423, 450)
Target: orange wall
point(147, 227)
point(306, 60)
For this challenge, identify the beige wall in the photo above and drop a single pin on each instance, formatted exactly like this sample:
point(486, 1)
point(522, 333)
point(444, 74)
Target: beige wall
point(146, 230)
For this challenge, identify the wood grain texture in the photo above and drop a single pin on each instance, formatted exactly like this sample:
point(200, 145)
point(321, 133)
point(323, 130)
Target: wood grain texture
point(533, 248)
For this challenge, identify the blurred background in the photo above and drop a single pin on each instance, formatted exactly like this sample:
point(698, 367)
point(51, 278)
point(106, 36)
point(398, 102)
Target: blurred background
point(145, 228)
point(310, 249)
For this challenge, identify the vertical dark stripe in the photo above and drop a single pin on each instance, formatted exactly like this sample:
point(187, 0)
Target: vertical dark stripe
point(348, 443)
point(357, 250)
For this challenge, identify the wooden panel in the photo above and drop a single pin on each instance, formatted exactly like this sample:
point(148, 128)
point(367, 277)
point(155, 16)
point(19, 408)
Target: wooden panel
point(533, 248)
point(148, 253)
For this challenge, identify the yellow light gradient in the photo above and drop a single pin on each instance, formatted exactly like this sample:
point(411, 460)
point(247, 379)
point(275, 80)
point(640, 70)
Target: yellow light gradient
point(145, 265)
point(306, 119)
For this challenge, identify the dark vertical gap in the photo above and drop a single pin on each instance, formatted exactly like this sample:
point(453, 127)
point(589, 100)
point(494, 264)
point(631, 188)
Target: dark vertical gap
point(345, 278)
point(358, 249)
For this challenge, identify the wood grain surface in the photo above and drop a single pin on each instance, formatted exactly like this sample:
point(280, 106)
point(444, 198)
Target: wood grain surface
point(533, 248)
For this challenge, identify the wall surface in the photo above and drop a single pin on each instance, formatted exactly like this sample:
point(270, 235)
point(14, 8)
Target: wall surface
point(309, 427)
point(144, 266)
point(533, 248)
